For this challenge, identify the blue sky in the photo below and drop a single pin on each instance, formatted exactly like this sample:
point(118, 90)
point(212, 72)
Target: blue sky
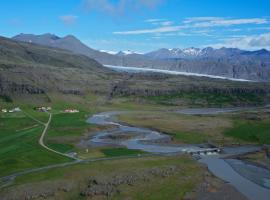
point(143, 25)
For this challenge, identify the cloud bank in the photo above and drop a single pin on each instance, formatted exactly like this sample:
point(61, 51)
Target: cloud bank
point(252, 42)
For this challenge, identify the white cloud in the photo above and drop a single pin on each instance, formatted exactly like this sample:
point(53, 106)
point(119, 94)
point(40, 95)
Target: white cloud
point(154, 20)
point(166, 23)
point(199, 19)
point(68, 19)
point(163, 29)
point(246, 42)
point(159, 22)
point(193, 23)
point(120, 7)
point(200, 22)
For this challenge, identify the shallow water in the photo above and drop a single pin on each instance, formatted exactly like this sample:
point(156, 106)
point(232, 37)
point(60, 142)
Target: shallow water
point(224, 171)
point(145, 139)
point(254, 173)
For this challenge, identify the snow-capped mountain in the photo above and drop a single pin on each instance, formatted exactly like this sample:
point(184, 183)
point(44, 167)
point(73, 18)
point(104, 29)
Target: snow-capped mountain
point(127, 52)
point(176, 53)
point(109, 52)
point(191, 53)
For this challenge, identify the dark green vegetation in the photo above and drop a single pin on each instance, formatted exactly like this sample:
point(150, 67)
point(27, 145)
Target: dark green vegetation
point(5, 98)
point(251, 131)
point(140, 178)
point(64, 128)
point(201, 98)
point(114, 152)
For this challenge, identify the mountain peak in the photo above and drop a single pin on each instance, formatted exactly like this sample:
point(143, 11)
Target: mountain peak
point(70, 37)
point(50, 35)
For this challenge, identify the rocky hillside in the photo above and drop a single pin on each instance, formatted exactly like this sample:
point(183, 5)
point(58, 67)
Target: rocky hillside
point(227, 62)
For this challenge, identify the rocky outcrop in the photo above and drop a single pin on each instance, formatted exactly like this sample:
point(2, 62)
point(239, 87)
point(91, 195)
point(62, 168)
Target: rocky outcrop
point(109, 186)
point(10, 88)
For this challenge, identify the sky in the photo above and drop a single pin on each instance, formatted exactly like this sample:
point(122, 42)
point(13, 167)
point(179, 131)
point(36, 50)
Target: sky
point(143, 25)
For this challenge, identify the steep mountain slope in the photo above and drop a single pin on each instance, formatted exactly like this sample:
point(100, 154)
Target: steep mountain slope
point(227, 62)
point(32, 69)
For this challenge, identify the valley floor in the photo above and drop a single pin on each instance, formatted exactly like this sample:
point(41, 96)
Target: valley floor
point(123, 173)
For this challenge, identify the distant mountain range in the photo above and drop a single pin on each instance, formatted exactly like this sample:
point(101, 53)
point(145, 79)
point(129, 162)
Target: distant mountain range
point(227, 62)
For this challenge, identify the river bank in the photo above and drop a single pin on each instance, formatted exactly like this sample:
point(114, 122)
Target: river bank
point(223, 169)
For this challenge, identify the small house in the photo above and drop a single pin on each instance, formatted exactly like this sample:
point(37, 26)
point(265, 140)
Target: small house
point(4, 110)
point(15, 110)
point(43, 109)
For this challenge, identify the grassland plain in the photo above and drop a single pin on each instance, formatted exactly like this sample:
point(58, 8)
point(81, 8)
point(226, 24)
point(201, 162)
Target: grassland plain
point(150, 183)
point(249, 127)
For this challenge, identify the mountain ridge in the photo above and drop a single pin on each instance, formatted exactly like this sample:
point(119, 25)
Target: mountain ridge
point(228, 62)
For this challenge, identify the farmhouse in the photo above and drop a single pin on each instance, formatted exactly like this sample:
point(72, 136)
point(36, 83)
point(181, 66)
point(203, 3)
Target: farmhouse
point(43, 109)
point(71, 111)
point(4, 110)
point(15, 110)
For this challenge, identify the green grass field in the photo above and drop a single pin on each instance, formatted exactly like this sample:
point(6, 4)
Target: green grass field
point(19, 148)
point(66, 129)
